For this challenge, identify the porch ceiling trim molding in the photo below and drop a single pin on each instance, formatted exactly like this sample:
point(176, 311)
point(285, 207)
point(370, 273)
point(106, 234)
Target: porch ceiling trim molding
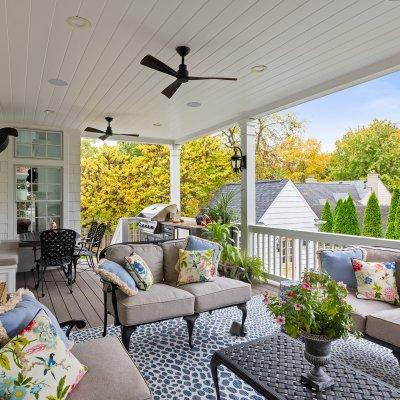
point(361, 75)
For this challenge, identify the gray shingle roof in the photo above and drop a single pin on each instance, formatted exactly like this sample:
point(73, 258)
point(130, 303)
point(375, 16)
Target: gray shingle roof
point(315, 193)
point(266, 192)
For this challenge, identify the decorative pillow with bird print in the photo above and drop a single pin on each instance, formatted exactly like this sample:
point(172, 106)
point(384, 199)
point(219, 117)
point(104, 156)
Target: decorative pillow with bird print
point(36, 364)
point(195, 266)
point(376, 281)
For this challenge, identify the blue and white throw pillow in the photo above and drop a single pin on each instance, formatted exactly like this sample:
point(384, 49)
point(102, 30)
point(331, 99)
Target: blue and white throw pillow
point(197, 243)
point(115, 273)
point(19, 311)
point(139, 271)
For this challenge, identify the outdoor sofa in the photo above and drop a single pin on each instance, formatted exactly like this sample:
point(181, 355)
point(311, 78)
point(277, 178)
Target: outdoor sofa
point(164, 300)
point(378, 321)
point(112, 374)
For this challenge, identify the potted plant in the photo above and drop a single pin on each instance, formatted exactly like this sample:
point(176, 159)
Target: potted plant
point(222, 212)
point(317, 311)
point(248, 268)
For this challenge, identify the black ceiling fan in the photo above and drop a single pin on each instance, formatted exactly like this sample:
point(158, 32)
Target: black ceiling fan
point(182, 75)
point(108, 132)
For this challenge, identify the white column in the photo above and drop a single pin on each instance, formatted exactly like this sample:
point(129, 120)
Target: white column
point(248, 182)
point(175, 174)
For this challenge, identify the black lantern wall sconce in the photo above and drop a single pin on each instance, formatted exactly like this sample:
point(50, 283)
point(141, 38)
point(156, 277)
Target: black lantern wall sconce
point(238, 160)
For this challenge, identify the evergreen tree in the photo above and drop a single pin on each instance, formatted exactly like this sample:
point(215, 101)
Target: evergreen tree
point(397, 222)
point(372, 226)
point(391, 222)
point(328, 217)
point(339, 218)
point(352, 227)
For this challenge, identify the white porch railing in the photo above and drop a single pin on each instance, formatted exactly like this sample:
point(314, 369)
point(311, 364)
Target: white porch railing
point(287, 253)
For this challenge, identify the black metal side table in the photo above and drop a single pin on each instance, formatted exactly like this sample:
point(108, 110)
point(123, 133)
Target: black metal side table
point(274, 364)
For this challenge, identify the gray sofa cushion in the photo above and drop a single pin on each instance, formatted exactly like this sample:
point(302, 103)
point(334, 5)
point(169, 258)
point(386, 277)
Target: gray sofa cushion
point(222, 292)
point(151, 253)
point(171, 252)
point(158, 303)
point(112, 374)
point(377, 254)
point(385, 325)
point(363, 308)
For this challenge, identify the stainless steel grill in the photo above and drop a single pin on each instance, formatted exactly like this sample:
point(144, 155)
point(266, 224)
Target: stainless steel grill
point(149, 219)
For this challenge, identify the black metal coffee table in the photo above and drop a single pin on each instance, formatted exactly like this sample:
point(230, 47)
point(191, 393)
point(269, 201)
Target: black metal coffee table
point(274, 364)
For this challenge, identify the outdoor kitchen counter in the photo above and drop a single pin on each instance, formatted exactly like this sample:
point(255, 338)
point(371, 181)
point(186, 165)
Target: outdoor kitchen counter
point(187, 224)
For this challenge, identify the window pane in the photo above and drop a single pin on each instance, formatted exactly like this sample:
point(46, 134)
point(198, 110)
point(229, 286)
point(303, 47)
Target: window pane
point(40, 224)
point(24, 136)
point(40, 138)
point(54, 175)
point(40, 209)
point(23, 150)
point(39, 151)
point(54, 138)
point(53, 209)
point(54, 151)
point(54, 192)
point(40, 193)
point(40, 175)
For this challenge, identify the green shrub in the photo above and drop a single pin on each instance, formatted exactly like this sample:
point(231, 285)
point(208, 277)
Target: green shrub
point(391, 222)
point(339, 218)
point(351, 226)
point(328, 217)
point(372, 225)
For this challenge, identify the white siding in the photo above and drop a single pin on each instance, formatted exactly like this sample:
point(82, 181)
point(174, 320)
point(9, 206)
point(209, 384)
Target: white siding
point(290, 210)
point(3, 194)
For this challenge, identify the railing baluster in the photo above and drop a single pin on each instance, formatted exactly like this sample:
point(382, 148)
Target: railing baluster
point(263, 249)
point(300, 269)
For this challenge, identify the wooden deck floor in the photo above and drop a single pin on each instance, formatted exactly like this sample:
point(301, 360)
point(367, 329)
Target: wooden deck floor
point(86, 301)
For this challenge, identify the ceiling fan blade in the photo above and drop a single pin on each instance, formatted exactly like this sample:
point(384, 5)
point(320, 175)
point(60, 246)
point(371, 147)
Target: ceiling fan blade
point(199, 78)
point(9, 131)
point(126, 134)
point(94, 130)
point(170, 90)
point(104, 137)
point(153, 63)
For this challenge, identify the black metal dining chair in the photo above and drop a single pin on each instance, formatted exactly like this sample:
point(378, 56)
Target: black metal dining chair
point(86, 241)
point(92, 251)
point(57, 248)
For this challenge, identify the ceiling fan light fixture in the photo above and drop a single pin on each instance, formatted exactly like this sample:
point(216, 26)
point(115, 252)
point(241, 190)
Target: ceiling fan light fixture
point(193, 104)
point(48, 111)
point(157, 124)
point(57, 82)
point(258, 68)
point(78, 22)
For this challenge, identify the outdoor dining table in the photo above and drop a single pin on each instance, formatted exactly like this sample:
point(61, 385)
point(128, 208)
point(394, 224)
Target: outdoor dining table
point(32, 239)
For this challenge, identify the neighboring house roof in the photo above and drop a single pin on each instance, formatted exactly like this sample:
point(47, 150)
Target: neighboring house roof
point(266, 192)
point(315, 193)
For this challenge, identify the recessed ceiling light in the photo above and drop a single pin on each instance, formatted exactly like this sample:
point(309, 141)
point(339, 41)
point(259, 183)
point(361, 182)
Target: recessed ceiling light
point(157, 124)
point(193, 104)
point(78, 22)
point(258, 68)
point(57, 82)
point(48, 111)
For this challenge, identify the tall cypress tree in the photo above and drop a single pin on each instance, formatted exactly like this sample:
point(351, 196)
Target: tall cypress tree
point(339, 218)
point(372, 224)
point(328, 217)
point(397, 221)
point(352, 227)
point(391, 222)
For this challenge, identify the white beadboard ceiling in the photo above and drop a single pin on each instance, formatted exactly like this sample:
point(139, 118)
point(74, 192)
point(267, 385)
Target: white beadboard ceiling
point(311, 47)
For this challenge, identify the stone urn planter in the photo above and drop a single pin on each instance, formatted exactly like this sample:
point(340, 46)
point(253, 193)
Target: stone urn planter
point(317, 352)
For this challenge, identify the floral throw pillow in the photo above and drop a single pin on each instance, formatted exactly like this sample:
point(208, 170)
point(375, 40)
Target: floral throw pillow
point(35, 364)
point(139, 271)
point(195, 266)
point(376, 281)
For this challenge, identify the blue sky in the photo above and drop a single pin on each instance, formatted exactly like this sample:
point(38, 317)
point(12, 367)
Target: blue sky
point(329, 117)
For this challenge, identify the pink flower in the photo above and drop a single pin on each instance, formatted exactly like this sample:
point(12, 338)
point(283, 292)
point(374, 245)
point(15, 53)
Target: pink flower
point(298, 307)
point(369, 295)
point(379, 267)
point(266, 299)
point(389, 294)
point(306, 286)
point(280, 320)
point(290, 294)
point(36, 349)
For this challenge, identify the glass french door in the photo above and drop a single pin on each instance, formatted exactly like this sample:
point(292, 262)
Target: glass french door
point(38, 197)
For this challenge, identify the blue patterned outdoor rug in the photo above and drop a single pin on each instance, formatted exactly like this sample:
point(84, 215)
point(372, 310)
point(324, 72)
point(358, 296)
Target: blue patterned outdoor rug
point(174, 372)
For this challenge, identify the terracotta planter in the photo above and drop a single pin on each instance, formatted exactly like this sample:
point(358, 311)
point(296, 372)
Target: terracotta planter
point(318, 353)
